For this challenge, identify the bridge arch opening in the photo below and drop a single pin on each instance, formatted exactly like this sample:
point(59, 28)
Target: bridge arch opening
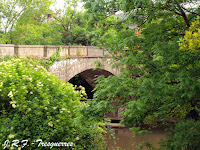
point(87, 79)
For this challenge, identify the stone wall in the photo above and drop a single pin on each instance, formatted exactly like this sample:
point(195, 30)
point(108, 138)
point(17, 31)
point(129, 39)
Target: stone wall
point(46, 51)
point(36, 51)
point(6, 49)
point(68, 68)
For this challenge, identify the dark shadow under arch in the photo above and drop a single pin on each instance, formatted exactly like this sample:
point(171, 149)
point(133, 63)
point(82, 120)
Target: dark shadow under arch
point(87, 78)
point(79, 81)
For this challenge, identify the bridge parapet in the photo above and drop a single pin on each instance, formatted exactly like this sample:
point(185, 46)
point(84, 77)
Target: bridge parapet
point(46, 51)
point(6, 49)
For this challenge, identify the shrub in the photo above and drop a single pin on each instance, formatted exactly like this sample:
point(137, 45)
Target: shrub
point(35, 104)
point(185, 136)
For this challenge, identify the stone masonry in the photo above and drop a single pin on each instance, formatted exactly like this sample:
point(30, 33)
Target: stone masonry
point(78, 59)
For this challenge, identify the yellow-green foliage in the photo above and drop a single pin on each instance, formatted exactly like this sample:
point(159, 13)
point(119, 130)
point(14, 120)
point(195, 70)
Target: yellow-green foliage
point(191, 40)
point(35, 104)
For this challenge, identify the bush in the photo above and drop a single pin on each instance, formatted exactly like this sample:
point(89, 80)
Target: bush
point(34, 104)
point(185, 136)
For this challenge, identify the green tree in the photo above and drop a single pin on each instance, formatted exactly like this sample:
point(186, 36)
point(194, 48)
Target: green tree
point(25, 22)
point(191, 40)
point(44, 34)
point(157, 81)
point(32, 28)
point(185, 135)
point(73, 24)
point(74, 27)
point(13, 10)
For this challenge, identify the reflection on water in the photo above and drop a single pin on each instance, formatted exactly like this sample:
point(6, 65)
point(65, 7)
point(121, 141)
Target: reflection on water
point(125, 140)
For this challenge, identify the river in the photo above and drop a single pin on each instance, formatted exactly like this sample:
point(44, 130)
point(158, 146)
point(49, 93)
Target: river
point(125, 140)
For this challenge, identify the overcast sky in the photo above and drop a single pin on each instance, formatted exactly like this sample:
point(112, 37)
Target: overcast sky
point(60, 5)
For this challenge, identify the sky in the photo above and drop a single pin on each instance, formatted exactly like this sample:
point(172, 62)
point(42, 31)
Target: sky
point(60, 5)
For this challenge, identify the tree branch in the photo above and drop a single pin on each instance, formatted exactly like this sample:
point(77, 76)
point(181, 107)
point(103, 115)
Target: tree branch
point(183, 15)
point(190, 11)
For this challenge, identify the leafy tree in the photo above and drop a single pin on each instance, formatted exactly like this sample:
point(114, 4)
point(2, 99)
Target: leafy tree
point(3, 38)
point(157, 81)
point(73, 24)
point(32, 29)
point(27, 24)
point(45, 34)
point(12, 10)
point(184, 136)
point(74, 27)
point(190, 42)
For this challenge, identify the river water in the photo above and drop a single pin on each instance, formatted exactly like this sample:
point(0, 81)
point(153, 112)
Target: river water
point(125, 139)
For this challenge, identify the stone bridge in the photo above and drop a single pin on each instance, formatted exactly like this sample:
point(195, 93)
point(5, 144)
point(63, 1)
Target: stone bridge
point(78, 60)
point(82, 66)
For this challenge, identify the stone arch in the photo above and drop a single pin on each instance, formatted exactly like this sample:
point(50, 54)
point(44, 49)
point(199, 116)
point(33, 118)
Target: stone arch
point(83, 66)
point(90, 75)
point(67, 69)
